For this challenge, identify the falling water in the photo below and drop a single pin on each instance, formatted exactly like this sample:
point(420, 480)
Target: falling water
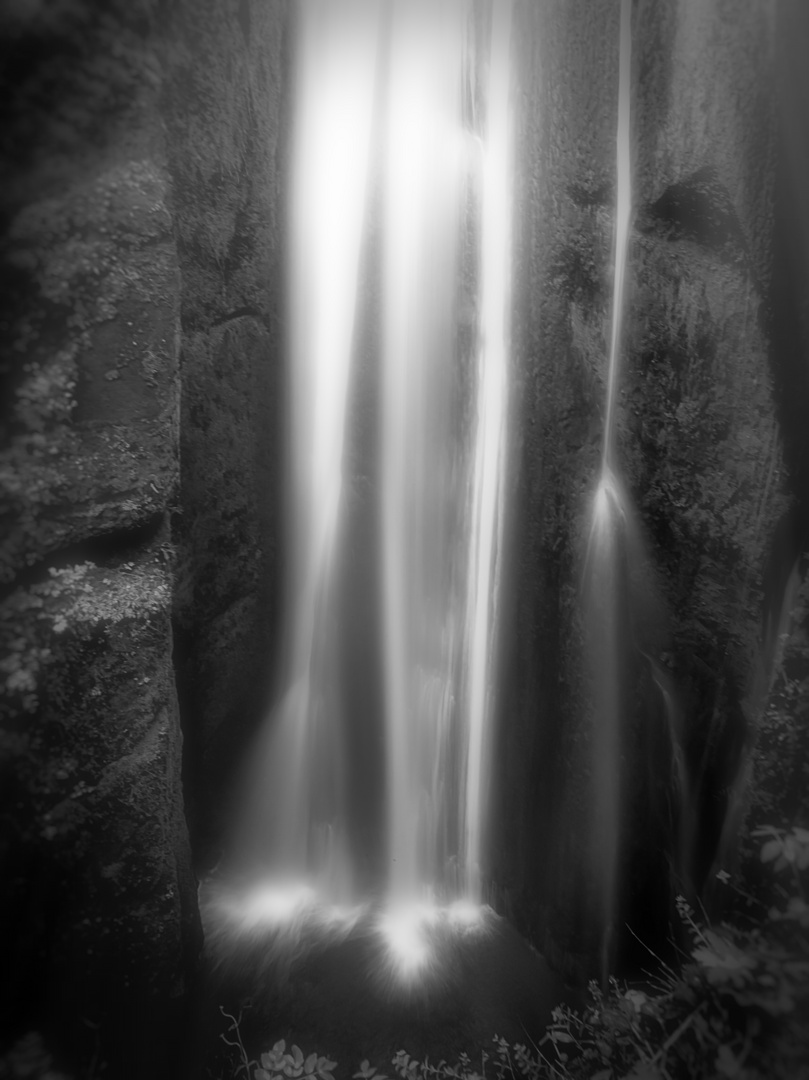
point(613, 537)
point(486, 531)
point(623, 207)
point(424, 178)
point(442, 168)
point(293, 824)
point(428, 619)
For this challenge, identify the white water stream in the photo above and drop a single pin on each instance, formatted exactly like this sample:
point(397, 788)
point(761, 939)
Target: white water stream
point(383, 97)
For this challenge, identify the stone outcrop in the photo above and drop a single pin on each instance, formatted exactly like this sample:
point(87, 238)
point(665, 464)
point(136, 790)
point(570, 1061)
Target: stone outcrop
point(698, 445)
point(98, 924)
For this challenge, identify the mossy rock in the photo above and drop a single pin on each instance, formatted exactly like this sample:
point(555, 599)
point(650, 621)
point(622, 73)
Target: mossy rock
point(96, 892)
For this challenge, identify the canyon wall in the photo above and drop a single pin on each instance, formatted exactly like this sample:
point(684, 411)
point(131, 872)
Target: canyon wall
point(98, 921)
point(225, 108)
point(698, 445)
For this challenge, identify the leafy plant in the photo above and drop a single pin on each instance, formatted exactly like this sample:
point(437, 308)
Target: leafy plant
point(279, 1062)
point(29, 1058)
point(367, 1070)
point(411, 1069)
point(785, 848)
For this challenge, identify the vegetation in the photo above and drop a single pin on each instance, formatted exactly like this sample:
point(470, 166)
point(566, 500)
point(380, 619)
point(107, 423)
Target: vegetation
point(736, 1005)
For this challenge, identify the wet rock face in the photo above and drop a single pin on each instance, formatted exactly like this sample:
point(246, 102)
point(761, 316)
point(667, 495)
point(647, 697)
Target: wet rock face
point(225, 110)
point(781, 793)
point(97, 904)
point(698, 447)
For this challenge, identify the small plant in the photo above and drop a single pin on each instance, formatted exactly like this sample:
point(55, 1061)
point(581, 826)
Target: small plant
point(29, 1058)
point(785, 849)
point(366, 1071)
point(233, 1038)
point(411, 1069)
point(279, 1062)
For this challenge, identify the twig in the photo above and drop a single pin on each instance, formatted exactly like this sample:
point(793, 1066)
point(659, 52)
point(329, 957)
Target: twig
point(246, 1062)
point(640, 941)
point(672, 1039)
point(548, 1062)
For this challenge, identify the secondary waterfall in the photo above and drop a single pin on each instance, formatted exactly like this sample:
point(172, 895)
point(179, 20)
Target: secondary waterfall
point(409, 102)
point(614, 544)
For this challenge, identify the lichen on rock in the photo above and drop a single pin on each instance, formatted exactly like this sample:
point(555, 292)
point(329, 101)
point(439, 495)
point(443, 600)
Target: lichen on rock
point(90, 759)
point(96, 892)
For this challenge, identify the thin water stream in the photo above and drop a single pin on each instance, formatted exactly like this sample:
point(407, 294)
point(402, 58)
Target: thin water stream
point(614, 538)
point(623, 210)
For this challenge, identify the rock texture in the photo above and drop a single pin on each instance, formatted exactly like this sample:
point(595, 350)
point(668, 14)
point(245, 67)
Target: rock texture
point(97, 899)
point(97, 903)
point(225, 110)
point(699, 447)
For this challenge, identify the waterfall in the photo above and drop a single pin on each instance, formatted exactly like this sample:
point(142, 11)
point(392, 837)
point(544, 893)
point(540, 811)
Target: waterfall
point(413, 100)
point(293, 824)
point(613, 544)
point(438, 632)
point(423, 179)
point(486, 531)
point(623, 207)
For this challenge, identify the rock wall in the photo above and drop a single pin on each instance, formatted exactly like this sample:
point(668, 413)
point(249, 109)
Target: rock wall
point(699, 446)
point(144, 150)
point(225, 111)
point(700, 428)
point(788, 314)
point(98, 923)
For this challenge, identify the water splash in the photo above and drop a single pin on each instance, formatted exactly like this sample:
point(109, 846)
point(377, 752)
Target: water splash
point(418, 941)
point(267, 925)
